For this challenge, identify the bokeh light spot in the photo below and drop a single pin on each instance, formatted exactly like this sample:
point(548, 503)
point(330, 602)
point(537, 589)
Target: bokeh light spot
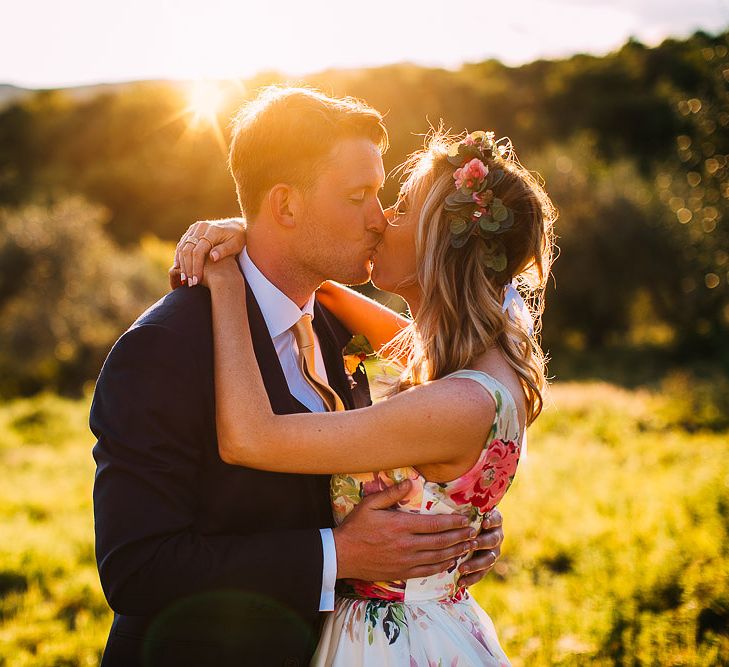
point(684, 215)
point(711, 280)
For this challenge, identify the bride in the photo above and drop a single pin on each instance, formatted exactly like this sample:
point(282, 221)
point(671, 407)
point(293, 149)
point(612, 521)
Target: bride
point(470, 225)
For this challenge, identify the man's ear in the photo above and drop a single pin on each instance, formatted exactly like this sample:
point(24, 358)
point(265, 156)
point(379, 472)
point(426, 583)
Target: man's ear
point(282, 201)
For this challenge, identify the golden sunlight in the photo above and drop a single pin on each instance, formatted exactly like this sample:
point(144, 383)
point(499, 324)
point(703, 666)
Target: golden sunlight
point(204, 101)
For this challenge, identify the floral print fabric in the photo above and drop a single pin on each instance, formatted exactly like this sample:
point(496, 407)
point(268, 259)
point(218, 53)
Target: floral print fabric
point(427, 621)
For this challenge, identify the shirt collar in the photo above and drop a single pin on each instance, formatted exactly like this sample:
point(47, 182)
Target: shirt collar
point(279, 312)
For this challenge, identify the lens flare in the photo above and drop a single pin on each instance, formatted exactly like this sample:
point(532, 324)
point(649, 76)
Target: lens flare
point(204, 101)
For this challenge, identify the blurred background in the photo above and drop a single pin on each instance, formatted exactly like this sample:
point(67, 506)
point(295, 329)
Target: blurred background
point(114, 122)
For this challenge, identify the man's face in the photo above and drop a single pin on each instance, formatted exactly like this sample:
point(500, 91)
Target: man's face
point(343, 221)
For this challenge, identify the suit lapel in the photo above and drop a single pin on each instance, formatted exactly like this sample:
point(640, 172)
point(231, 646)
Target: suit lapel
point(332, 338)
point(282, 402)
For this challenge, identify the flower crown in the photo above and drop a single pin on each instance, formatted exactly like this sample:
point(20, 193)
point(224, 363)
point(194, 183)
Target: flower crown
point(472, 208)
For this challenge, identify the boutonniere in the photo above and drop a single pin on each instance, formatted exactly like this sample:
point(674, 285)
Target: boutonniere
point(354, 353)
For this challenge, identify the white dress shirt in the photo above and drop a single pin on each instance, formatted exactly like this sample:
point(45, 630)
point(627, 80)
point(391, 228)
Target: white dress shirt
point(280, 314)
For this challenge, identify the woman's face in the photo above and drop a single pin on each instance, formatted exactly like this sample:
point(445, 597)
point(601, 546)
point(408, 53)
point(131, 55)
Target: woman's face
point(394, 261)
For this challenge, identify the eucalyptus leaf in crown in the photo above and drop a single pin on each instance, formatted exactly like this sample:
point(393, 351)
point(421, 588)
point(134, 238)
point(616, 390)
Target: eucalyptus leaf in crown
point(473, 210)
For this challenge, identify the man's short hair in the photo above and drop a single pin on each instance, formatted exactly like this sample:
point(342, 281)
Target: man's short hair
point(284, 135)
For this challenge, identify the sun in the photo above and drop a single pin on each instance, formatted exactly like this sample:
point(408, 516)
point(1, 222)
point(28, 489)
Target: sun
point(204, 100)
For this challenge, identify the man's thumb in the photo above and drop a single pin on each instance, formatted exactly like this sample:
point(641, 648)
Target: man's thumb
point(389, 497)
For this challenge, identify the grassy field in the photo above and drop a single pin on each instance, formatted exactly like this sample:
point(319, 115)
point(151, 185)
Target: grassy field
point(616, 551)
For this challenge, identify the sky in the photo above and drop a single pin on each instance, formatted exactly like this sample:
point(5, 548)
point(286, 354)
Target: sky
point(55, 44)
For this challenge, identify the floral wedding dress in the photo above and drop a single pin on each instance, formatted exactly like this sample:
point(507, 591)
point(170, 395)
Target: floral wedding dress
point(428, 622)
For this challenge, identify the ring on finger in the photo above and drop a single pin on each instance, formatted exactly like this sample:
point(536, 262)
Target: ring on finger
point(192, 240)
point(205, 238)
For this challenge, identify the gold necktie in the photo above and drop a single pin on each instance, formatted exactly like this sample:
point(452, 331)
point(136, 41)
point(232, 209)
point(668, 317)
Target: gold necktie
point(304, 334)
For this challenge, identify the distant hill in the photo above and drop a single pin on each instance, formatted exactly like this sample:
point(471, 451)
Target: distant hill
point(9, 94)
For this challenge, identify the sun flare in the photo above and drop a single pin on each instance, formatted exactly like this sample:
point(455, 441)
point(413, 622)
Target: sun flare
point(204, 101)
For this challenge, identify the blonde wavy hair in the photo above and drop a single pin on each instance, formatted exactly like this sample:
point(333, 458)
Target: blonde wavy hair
point(460, 316)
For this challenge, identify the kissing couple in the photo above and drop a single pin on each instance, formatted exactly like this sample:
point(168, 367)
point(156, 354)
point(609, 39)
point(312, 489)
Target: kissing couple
point(252, 505)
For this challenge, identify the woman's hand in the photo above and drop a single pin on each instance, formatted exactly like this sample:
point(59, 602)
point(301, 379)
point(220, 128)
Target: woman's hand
point(216, 239)
point(220, 272)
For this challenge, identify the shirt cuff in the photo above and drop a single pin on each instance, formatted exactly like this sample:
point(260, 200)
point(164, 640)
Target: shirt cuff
point(329, 575)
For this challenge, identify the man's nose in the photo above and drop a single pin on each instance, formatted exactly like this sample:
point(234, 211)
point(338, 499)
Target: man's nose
point(377, 221)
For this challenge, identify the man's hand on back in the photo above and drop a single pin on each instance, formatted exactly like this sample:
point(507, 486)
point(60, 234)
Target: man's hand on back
point(376, 544)
point(488, 550)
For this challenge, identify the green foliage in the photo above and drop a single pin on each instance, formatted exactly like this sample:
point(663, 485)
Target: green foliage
point(66, 293)
point(131, 151)
point(611, 244)
point(616, 532)
point(616, 529)
point(52, 610)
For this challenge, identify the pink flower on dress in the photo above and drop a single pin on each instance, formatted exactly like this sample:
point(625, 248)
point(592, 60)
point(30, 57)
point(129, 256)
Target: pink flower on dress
point(470, 174)
point(499, 468)
point(504, 455)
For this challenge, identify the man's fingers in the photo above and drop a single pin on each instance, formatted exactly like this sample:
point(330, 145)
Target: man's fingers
point(441, 555)
point(493, 519)
point(421, 571)
point(481, 560)
point(433, 523)
point(471, 579)
point(490, 539)
point(477, 567)
point(443, 540)
point(383, 500)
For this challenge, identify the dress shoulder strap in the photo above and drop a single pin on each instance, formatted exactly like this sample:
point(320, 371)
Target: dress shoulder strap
point(499, 392)
point(488, 382)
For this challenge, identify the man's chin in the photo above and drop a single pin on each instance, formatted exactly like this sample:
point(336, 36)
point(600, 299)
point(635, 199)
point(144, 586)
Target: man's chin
point(357, 277)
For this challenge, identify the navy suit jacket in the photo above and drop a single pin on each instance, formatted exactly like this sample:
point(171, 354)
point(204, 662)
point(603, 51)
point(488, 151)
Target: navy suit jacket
point(203, 563)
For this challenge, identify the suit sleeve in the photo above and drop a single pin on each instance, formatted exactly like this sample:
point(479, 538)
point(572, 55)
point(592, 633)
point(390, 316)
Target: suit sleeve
point(148, 453)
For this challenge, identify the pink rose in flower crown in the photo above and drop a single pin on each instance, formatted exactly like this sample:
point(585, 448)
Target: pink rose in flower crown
point(470, 174)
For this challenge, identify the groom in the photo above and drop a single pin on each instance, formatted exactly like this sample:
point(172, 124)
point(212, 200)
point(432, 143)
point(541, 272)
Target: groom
point(206, 563)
